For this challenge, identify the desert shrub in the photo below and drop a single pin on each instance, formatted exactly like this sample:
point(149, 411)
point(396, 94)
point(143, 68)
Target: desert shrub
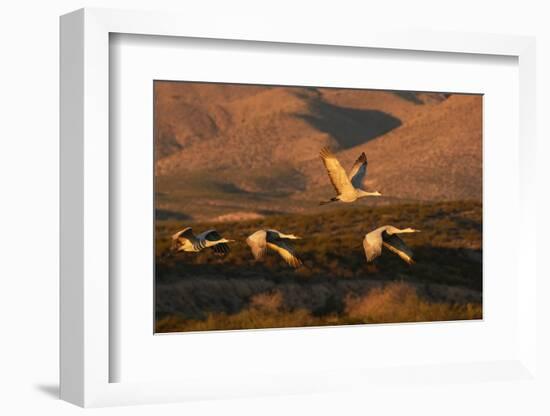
point(250, 318)
point(399, 302)
point(269, 302)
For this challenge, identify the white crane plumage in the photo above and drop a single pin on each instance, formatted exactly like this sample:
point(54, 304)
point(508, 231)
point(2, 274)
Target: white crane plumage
point(185, 240)
point(275, 240)
point(387, 237)
point(348, 187)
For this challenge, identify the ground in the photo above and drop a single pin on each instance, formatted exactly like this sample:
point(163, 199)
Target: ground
point(336, 285)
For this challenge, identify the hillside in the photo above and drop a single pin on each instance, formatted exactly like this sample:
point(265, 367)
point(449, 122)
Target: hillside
point(233, 147)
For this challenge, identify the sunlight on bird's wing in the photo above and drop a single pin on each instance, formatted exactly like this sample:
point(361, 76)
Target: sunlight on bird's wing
point(185, 233)
point(358, 171)
point(257, 244)
point(286, 251)
point(336, 172)
point(373, 246)
point(393, 243)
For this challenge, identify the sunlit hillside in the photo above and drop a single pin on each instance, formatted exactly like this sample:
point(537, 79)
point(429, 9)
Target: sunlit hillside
point(254, 151)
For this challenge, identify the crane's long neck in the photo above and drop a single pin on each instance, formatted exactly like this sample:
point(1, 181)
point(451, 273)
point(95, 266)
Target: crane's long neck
point(289, 236)
point(405, 231)
point(361, 193)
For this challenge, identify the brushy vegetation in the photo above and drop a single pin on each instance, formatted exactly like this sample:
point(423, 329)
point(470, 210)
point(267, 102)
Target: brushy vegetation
point(201, 291)
point(400, 302)
point(395, 302)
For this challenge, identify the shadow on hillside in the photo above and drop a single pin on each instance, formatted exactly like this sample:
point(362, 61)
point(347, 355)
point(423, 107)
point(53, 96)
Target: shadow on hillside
point(231, 188)
point(165, 214)
point(409, 96)
point(166, 144)
point(422, 98)
point(349, 126)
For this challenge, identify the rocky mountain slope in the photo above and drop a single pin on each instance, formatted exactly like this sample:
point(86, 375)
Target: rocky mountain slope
point(255, 148)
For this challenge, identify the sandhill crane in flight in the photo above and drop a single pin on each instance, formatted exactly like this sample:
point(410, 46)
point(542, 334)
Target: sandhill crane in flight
point(185, 240)
point(277, 241)
point(348, 187)
point(387, 236)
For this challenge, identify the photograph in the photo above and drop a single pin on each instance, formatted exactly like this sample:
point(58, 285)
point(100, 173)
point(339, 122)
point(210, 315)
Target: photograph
point(300, 206)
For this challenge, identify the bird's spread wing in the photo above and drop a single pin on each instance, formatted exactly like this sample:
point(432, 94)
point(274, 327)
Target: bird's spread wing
point(221, 249)
point(372, 244)
point(185, 233)
point(210, 235)
point(336, 172)
point(257, 243)
point(358, 171)
point(286, 251)
point(272, 235)
point(393, 243)
point(205, 237)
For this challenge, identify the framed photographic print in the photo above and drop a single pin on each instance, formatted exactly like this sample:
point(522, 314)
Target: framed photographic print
point(268, 229)
point(244, 215)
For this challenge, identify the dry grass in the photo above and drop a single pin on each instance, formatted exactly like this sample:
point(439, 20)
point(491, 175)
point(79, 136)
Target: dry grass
point(246, 319)
point(392, 303)
point(399, 302)
point(269, 302)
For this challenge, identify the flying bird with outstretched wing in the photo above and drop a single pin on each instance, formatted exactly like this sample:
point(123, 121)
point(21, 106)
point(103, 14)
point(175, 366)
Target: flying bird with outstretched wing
point(186, 240)
point(348, 187)
point(262, 240)
point(387, 237)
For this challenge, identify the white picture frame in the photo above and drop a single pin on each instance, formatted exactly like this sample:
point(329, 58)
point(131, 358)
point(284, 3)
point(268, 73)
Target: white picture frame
point(85, 211)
